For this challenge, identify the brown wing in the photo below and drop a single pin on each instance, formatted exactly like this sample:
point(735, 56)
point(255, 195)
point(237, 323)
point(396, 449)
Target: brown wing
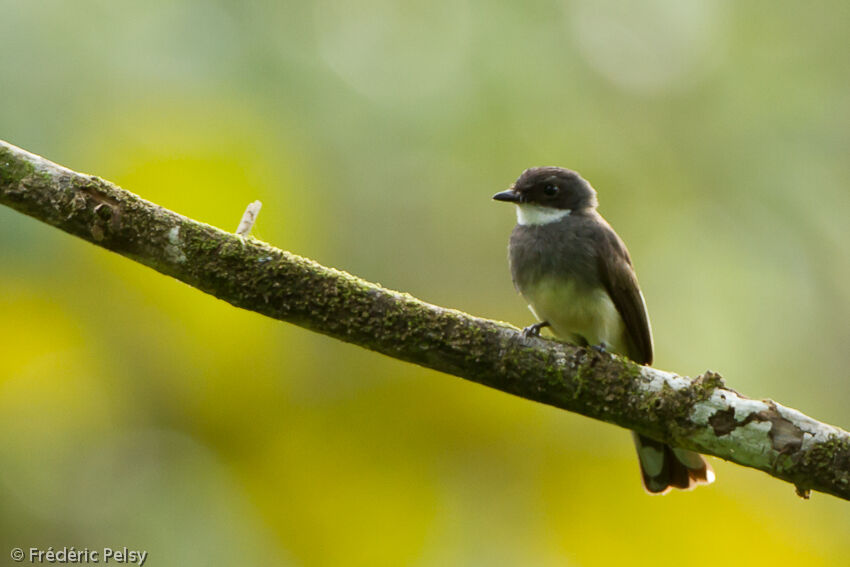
point(618, 276)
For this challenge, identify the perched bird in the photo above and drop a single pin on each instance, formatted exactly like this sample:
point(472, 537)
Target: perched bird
point(577, 277)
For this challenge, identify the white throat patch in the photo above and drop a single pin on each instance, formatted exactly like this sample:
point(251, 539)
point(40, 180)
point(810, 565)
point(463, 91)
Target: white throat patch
point(528, 214)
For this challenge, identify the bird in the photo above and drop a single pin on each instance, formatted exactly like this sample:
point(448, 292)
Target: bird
point(577, 277)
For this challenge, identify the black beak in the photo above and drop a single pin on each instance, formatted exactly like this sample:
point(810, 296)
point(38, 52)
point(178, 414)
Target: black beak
point(509, 196)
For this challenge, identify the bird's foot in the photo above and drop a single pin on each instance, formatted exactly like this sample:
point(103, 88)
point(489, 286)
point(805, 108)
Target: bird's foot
point(534, 330)
point(601, 348)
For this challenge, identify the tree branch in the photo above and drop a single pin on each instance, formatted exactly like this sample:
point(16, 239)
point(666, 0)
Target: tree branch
point(702, 414)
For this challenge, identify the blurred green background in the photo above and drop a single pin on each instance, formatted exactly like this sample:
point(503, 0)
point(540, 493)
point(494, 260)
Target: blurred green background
point(137, 411)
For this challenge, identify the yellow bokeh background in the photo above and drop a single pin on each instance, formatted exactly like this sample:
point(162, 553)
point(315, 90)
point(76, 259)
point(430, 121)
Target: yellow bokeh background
point(137, 411)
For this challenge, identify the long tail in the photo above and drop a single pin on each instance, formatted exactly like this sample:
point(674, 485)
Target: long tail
point(663, 467)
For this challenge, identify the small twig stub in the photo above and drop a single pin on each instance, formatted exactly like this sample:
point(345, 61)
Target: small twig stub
point(249, 218)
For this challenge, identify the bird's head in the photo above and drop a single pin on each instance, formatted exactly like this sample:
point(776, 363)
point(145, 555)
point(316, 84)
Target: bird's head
point(549, 192)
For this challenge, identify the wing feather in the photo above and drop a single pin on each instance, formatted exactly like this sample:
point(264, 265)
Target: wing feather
point(620, 280)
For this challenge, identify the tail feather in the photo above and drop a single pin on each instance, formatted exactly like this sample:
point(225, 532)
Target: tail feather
point(662, 467)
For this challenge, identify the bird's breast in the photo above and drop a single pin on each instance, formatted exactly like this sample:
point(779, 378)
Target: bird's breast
point(577, 313)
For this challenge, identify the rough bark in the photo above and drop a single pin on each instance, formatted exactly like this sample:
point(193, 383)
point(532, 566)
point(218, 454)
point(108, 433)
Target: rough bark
point(700, 414)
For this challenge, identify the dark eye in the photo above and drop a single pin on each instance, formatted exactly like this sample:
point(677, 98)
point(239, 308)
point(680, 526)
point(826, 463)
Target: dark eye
point(551, 190)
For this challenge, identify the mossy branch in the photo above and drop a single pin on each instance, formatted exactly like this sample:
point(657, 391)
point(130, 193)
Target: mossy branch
point(701, 414)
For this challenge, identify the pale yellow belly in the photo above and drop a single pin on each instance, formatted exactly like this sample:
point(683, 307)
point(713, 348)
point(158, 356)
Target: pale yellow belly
point(577, 313)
